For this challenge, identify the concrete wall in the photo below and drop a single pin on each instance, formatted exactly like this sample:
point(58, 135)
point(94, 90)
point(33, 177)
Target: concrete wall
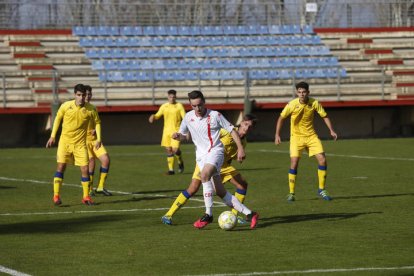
point(26, 130)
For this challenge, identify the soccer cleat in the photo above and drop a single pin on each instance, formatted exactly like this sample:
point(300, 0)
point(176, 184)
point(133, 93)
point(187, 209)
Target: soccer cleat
point(241, 220)
point(170, 173)
point(203, 221)
point(291, 197)
point(166, 220)
point(88, 201)
point(181, 167)
point(253, 217)
point(56, 200)
point(324, 194)
point(92, 193)
point(104, 192)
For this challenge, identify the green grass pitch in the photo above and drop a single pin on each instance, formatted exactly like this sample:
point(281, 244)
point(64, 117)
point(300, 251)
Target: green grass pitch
point(367, 229)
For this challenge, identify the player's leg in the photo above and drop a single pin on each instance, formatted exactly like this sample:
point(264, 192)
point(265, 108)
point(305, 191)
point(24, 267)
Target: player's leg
point(170, 160)
point(296, 147)
point(57, 183)
point(86, 199)
point(233, 202)
point(241, 189)
point(322, 173)
point(178, 156)
point(181, 200)
point(316, 149)
point(91, 172)
point(81, 157)
point(104, 170)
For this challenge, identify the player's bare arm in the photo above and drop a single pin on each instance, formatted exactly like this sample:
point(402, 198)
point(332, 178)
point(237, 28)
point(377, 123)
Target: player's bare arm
point(279, 125)
point(241, 155)
point(330, 127)
point(50, 142)
point(151, 119)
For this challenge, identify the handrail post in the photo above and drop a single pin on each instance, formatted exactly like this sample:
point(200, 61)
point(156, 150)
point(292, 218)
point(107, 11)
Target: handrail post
point(4, 90)
point(247, 104)
point(106, 88)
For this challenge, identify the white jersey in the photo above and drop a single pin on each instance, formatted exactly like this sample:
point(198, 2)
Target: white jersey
point(205, 131)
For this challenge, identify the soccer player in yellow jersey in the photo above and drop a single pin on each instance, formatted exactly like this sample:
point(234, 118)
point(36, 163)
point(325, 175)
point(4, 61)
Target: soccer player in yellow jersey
point(173, 114)
point(303, 136)
point(227, 172)
point(76, 115)
point(94, 153)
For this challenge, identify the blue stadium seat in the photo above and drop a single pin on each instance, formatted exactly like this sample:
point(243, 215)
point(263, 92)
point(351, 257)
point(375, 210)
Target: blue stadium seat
point(144, 76)
point(230, 30)
point(130, 30)
point(97, 65)
point(116, 53)
point(148, 30)
point(91, 53)
point(103, 76)
point(122, 41)
point(195, 30)
point(104, 53)
point(286, 29)
point(307, 29)
point(91, 30)
point(275, 29)
point(262, 29)
point(171, 30)
point(184, 30)
point(107, 31)
point(232, 75)
point(285, 74)
point(160, 30)
point(130, 76)
point(78, 30)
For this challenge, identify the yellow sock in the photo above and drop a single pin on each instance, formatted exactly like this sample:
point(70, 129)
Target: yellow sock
point(57, 183)
point(90, 182)
point(240, 195)
point(102, 178)
point(181, 199)
point(170, 161)
point(85, 186)
point(179, 159)
point(322, 172)
point(292, 180)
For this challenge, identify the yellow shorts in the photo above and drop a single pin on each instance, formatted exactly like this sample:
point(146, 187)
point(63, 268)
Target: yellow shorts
point(95, 153)
point(311, 144)
point(168, 142)
point(227, 172)
point(72, 154)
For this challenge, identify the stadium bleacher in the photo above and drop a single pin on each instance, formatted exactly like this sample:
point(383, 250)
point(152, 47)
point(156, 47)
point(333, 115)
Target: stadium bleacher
point(187, 50)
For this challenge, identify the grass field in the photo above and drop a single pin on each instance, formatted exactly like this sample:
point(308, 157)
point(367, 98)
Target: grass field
point(368, 229)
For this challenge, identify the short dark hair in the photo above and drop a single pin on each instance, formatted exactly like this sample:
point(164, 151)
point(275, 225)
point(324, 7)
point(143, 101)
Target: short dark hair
point(172, 91)
point(250, 117)
point(303, 85)
point(196, 95)
point(88, 87)
point(79, 87)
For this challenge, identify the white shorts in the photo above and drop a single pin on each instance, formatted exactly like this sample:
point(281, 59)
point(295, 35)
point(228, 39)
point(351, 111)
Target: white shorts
point(214, 158)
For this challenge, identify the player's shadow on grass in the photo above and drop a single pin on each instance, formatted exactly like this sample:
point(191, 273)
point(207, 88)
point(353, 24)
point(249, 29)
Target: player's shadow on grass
point(58, 226)
point(133, 199)
point(371, 196)
point(156, 191)
point(6, 187)
point(265, 222)
point(254, 169)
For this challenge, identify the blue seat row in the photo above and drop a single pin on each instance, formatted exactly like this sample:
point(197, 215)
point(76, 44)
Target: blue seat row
point(141, 76)
point(189, 30)
point(208, 52)
point(200, 41)
point(191, 64)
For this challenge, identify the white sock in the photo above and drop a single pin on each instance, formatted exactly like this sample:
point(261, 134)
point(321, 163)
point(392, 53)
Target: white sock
point(233, 202)
point(208, 192)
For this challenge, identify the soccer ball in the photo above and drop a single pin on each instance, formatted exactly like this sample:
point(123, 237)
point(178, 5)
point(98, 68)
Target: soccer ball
point(227, 220)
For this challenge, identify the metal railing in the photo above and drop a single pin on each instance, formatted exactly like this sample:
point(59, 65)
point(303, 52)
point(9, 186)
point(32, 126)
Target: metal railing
point(58, 14)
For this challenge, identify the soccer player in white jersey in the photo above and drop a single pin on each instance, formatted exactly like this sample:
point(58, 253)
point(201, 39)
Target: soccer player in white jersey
point(204, 126)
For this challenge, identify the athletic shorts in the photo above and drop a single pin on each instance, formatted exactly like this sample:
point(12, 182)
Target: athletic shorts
point(312, 144)
point(168, 142)
point(227, 172)
point(72, 154)
point(214, 157)
point(95, 153)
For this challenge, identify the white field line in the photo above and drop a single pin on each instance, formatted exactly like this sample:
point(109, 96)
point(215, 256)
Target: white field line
point(349, 156)
point(12, 271)
point(219, 204)
point(309, 271)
